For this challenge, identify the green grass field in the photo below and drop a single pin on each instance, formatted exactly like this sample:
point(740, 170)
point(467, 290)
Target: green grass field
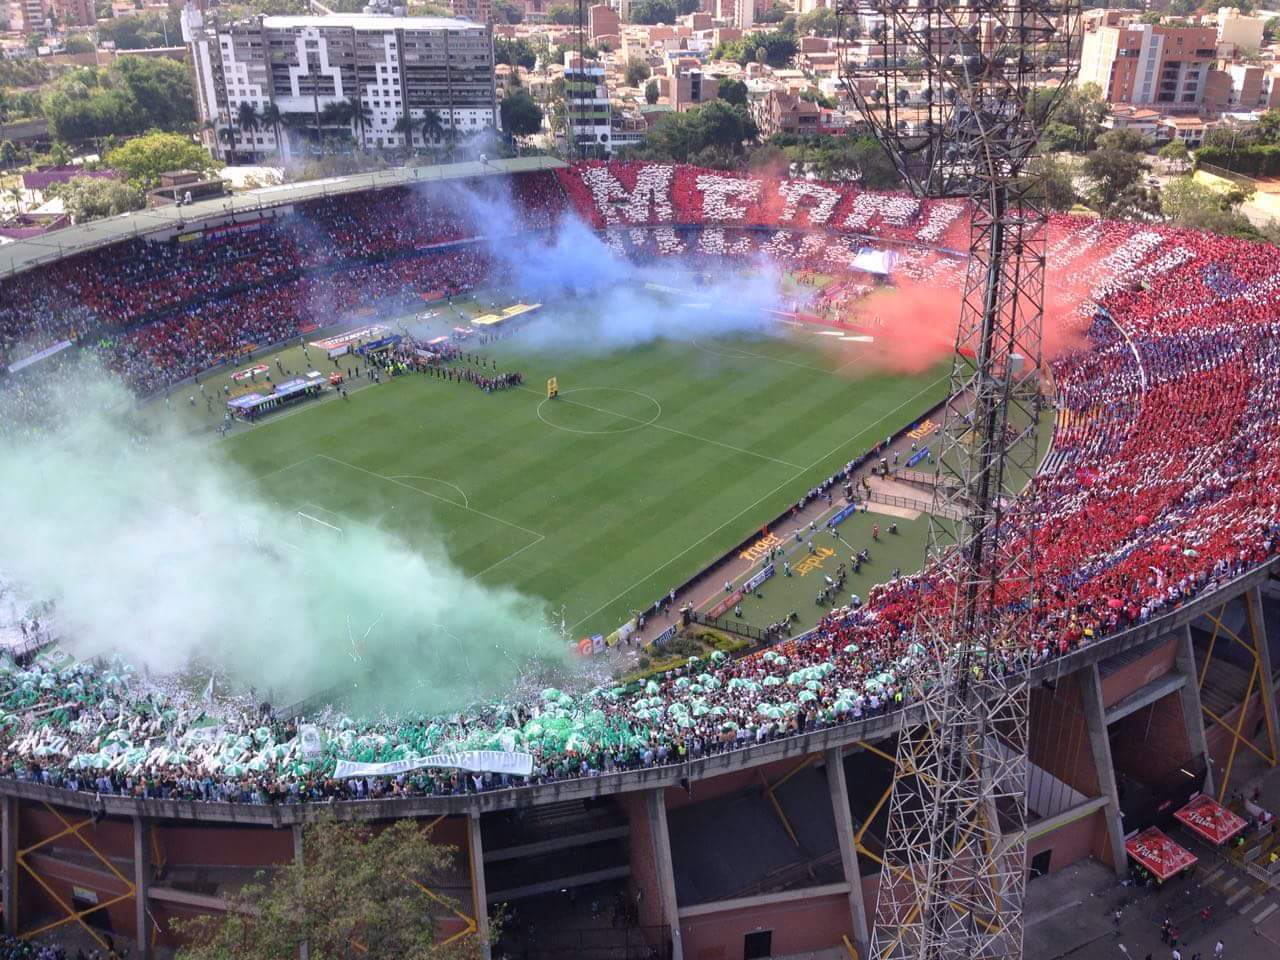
point(651, 464)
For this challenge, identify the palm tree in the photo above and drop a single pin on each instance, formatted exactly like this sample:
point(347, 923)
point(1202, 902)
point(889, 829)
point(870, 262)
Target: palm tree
point(361, 113)
point(432, 126)
point(404, 125)
point(273, 118)
point(247, 117)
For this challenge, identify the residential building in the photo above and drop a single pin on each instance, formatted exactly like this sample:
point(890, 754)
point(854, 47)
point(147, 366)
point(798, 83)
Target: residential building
point(479, 11)
point(75, 13)
point(347, 76)
point(738, 13)
point(779, 112)
point(1143, 120)
point(602, 21)
point(588, 114)
point(1239, 31)
point(689, 86)
point(34, 14)
point(1235, 87)
point(1145, 63)
point(1190, 130)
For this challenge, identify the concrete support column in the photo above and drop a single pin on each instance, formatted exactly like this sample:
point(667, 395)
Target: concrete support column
point(9, 835)
point(1095, 719)
point(656, 807)
point(848, 848)
point(142, 885)
point(479, 895)
point(1258, 636)
point(304, 948)
point(1192, 714)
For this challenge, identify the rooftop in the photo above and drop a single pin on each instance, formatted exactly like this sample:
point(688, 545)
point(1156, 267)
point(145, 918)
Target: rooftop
point(363, 21)
point(25, 254)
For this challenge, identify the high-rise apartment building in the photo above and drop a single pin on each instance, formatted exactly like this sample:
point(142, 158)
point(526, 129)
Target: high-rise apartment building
point(1149, 64)
point(588, 113)
point(278, 87)
point(481, 11)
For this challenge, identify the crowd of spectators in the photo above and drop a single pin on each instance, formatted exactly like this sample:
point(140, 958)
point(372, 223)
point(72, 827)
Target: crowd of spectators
point(1163, 483)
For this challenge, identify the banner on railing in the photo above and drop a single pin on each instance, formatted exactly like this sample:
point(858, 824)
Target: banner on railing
point(759, 578)
point(841, 515)
point(478, 761)
point(917, 456)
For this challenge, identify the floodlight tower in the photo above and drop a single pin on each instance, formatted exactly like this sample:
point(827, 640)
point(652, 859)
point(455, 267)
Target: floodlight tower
point(958, 91)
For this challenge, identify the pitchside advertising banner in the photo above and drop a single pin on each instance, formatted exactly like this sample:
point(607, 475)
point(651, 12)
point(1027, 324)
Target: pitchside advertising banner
point(342, 343)
point(478, 761)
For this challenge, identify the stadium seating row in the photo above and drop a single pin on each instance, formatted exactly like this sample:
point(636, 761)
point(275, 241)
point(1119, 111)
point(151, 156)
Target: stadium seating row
point(1164, 480)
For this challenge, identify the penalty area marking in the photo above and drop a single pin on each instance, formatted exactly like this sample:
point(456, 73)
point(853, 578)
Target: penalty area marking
point(466, 501)
point(748, 355)
point(751, 506)
point(433, 496)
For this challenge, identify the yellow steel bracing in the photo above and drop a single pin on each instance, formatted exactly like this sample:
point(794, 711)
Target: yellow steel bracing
point(1256, 682)
point(72, 915)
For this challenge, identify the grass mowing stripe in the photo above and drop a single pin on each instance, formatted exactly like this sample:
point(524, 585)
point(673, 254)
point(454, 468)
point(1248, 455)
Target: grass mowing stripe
point(753, 505)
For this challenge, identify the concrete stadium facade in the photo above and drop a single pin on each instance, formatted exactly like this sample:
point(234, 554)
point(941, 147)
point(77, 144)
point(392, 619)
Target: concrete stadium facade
point(128, 865)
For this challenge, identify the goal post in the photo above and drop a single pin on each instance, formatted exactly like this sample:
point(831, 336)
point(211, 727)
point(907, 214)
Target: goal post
point(309, 521)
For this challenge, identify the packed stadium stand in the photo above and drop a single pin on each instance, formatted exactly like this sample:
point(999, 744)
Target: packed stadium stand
point(1156, 537)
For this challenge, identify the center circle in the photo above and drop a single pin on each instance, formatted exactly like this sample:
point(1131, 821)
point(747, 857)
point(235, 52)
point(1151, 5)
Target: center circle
point(600, 410)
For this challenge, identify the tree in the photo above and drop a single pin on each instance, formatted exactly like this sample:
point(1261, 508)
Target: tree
point(1074, 120)
point(135, 95)
point(272, 117)
point(1053, 184)
point(521, 117)
point(714, 133)
point(637, 72)
point(778, 48)
point(144, 158)
point(651, 92)
point(1175, 152)
point(821, 22)
point(353, 884)
point(78, 44)
point(140, 31)
point(1116, 167)
point(654, 11)
point(507, 12)
point(733, 91)
point(1199, 207)
point(518, 52)
point(247, 117)
point(563, 14)
point(432, 126)
point(91, 198)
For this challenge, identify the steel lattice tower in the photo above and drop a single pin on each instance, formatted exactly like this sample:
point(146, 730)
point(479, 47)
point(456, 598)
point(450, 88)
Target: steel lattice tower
point(957, 91)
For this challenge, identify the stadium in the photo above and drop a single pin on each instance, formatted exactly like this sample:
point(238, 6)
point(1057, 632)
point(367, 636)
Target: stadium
point(666, 488)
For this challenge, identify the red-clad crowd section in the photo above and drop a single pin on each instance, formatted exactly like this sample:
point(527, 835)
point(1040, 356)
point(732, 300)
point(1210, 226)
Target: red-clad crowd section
point(1164, 475)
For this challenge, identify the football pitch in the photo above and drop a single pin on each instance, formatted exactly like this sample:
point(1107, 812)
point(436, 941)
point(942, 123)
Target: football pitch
point(653, 461)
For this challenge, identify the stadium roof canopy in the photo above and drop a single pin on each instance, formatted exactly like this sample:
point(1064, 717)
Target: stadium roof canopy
point(24, 254)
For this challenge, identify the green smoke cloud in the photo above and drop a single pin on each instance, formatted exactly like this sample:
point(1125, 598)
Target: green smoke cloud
point(155, 547)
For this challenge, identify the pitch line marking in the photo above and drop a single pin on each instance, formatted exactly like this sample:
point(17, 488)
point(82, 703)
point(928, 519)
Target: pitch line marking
point(703, 539)
point(433, 496)
point(638, 423)
point(510, 556)
point(466, 501)
point(650, 423)
point(747, 355)
point(296, 463)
